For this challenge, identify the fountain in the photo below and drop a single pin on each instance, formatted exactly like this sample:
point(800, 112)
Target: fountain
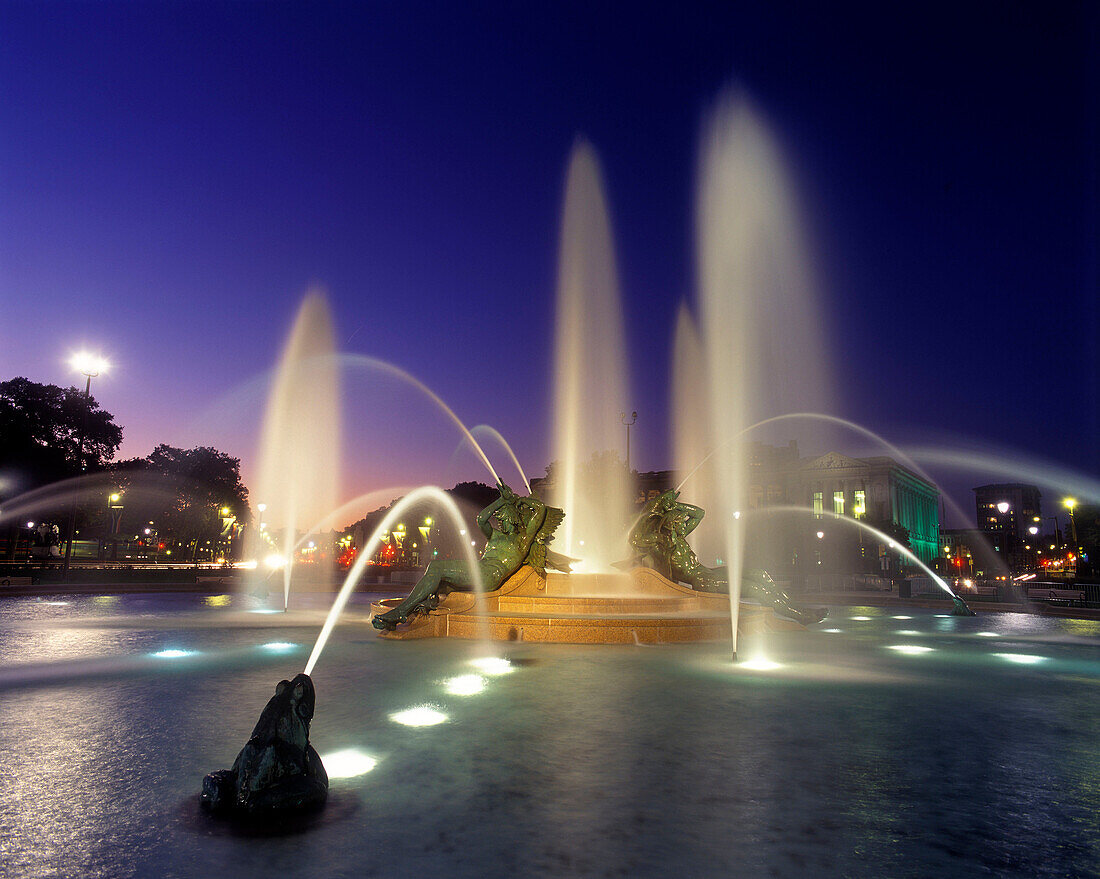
point(594, 762)
point(748, 282)
point(589, 368)
point(299, 439)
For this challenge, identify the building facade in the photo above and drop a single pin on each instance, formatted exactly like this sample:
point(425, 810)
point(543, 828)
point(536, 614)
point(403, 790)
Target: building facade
point(1010, 517)
point(878, 490)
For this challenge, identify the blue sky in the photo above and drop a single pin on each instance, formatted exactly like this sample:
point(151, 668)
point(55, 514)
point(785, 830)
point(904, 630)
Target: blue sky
point(174, 176)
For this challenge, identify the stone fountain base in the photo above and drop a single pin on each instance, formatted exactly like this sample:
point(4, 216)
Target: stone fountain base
point(639, 607)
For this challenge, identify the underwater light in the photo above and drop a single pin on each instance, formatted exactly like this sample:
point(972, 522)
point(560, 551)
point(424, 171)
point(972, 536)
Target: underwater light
point(492, 665)
point(465, 685)
point(348, 763)
point(56, 603)
point(908, 632)
point(279, 646)
point(860, 619)
point(422, 715)
point(832, 631)
point(1021, 658)
point(901, 617)
point(944, 616)
point(909, 649)
point(174, 654)
point(760, 664)
point(264, 610)
point(988, 634)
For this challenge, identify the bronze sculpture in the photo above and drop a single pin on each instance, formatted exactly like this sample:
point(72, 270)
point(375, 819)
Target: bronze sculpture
point(277, 771)
point(659, 537)
point(523, 528)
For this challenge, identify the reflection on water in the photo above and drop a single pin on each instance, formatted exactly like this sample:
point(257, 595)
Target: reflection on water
point(846, 759)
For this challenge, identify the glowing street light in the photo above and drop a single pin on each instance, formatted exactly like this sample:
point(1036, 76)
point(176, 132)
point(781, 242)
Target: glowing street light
point(1069, 503)
point(89, 365)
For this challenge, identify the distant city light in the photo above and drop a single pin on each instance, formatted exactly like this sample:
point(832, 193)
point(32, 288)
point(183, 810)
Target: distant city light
point(275, 562)
point(1003, 507)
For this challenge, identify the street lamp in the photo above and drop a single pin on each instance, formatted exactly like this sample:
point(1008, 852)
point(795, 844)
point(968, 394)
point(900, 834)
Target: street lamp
point(88, 365)
point(628, 425)
point(1069, 503)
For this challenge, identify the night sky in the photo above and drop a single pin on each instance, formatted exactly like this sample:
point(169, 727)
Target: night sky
point(175, 176)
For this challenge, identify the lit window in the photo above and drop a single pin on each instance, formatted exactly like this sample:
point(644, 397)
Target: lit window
point(860, 497)
point(838, 503)
point(819, 504)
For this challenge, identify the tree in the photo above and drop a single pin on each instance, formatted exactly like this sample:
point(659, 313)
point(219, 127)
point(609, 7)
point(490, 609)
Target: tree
point(183, 491)
point(40, 434)
point(477, 494)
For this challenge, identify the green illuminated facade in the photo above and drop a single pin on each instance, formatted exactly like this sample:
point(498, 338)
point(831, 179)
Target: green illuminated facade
point(878, 490)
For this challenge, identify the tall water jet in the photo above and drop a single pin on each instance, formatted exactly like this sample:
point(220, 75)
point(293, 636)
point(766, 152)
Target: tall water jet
point(300, 440)
point(759, 314)
point(589, 373)
point(691, 434)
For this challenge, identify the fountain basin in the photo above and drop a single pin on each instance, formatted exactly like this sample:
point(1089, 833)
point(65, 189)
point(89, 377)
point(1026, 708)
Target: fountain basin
point(637, 607)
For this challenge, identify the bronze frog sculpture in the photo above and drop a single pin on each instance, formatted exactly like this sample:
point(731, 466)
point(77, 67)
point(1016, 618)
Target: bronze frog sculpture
point(278, 770)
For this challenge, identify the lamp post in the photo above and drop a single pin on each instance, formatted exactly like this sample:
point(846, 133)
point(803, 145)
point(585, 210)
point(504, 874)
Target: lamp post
point(114, 508)
point(228, 519)
point(1069, 503)
point(628, 425)
point(88, 365)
